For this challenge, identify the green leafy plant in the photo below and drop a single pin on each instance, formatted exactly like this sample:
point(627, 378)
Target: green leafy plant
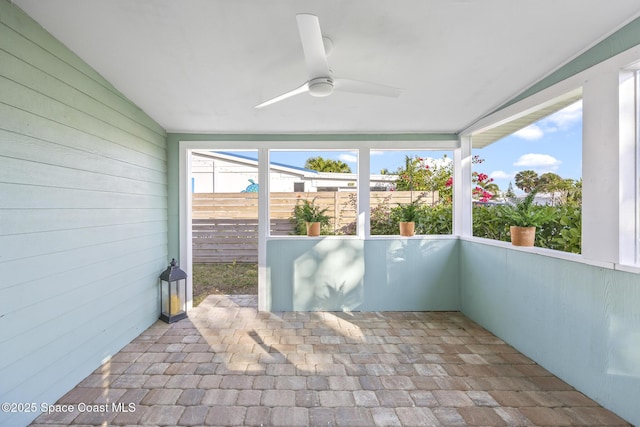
point(409, 212)
point(524, 213)
point(490, 223)
point(564, 233)
point(308, 211)
point(436, 220)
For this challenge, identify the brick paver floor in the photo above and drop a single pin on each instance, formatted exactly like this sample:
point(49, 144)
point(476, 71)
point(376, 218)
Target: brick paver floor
point(230, 365)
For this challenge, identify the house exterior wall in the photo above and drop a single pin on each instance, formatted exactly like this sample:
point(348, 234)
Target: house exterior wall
point(217, 175)
point(220, 176)
point(83, 217)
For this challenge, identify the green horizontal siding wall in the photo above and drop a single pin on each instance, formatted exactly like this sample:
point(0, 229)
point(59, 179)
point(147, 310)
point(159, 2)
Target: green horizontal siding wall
point(579, 321)
point(83, 216)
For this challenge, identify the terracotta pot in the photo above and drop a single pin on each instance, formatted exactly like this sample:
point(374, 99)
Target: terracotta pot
point(313, 229)
point(407, 228)
point(522, 236)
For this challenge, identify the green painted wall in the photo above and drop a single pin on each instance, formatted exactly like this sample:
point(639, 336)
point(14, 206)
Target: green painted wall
point(83, 214)
point(356, 275)
point(579, 321)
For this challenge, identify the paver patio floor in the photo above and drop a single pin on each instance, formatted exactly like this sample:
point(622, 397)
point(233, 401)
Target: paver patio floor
point(228, 364)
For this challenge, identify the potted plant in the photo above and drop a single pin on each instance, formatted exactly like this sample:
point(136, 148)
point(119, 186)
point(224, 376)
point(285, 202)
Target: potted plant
point(407, 216)
point(524, 218)
point(311, 215)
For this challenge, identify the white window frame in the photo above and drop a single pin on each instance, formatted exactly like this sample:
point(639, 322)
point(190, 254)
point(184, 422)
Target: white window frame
point(359, 179)
point(454, 148)
point(606, 241)
point(362, 146)
point(637, 165)
point(629, 175)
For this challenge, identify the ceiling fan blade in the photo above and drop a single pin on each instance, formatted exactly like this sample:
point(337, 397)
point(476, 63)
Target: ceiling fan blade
point(311, 38)
point(355, 86)
point(294, 92)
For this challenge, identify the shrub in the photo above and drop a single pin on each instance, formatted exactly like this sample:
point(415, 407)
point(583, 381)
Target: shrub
point(562, 230)
point(436, 220)
point(490, 223)
point(565, 232)
point(382, 222)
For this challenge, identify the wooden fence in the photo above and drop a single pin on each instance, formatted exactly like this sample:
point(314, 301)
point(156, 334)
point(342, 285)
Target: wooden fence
point(229, 240)
point(225, 225)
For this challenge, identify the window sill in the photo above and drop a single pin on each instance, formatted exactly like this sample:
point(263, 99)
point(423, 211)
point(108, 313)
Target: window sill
point(544, 252)
point(634, 269)
point(375, 237)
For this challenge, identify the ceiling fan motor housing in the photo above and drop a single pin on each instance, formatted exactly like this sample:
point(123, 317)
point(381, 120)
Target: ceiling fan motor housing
point(321, 86)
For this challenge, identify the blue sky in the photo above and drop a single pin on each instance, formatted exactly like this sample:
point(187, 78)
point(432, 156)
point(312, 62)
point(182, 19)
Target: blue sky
point(553, 144)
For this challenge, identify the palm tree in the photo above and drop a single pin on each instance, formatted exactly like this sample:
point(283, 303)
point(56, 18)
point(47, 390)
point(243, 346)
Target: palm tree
point(553, 184)
point(527, 180)
point(321, 164)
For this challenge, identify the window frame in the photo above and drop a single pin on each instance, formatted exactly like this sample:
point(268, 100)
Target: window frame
point(611, 247)
point(312, 150)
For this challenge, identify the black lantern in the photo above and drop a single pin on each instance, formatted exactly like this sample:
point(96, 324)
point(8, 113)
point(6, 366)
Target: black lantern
point(173, 293)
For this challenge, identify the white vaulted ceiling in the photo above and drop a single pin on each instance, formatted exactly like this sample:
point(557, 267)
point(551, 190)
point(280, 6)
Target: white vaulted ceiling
point(202, 65)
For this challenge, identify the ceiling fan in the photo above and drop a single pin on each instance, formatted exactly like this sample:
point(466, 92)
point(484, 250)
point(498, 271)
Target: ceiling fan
point(321, 83)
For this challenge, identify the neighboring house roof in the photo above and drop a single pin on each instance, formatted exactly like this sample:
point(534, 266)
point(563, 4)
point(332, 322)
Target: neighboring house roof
point(250, 161)
point(295, 170)
point(240, 156)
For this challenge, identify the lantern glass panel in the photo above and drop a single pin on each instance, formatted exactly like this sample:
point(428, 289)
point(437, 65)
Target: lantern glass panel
point(175, 302)
point(164, 295)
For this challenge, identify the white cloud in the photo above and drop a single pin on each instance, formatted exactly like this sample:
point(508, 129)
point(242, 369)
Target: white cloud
point(538, 162)
point(348, 158)
point(377, 152)
point(501, 175)
point(559, 121)
point(565, 118)
point(531, 132)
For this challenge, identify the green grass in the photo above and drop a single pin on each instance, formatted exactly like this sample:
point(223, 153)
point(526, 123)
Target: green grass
point(224, 279)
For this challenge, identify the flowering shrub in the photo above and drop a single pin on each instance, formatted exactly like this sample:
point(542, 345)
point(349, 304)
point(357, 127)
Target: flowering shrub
point(420, 174)
point(483, 183)
point(437, 175)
